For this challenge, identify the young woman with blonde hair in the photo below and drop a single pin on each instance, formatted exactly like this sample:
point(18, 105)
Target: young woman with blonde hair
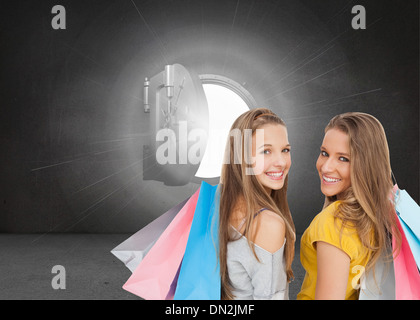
point(358, 220)
point(256, 230)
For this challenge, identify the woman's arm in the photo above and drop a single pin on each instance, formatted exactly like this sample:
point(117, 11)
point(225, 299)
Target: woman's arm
point(269, 279)
point(270, 231)
point(333, 266)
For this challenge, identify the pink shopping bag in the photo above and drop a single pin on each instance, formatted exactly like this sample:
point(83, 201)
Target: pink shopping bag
point(153, 278)
point(407, 277)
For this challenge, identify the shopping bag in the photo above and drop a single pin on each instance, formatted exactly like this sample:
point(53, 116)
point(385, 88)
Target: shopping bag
point(408, 212)
point(155, 275)
point(135, 248)
point(407, 276)
point(399, 279)
point(199, 277)
point(380, 284)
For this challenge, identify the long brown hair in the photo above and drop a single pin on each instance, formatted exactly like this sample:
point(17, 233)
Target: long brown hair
point(367, 204)
point(237, 184)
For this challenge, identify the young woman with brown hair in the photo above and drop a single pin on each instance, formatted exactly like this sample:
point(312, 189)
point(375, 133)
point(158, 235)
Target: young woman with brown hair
point(256, 230)
point(357, 222)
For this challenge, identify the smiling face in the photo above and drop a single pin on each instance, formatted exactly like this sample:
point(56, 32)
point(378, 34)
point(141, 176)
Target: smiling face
point(272, 156)
point(333, 163)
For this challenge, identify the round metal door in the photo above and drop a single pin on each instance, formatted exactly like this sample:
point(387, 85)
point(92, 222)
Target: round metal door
point(176, 103)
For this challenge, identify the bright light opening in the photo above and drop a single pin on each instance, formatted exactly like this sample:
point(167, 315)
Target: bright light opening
point(224, 107)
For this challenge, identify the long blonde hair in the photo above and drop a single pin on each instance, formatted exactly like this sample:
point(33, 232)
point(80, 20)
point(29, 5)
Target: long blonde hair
point(237, 184)
point(368, 204)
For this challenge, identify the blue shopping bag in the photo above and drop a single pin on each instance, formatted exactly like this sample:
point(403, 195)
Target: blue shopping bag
point(199, 277)
point(408, 212)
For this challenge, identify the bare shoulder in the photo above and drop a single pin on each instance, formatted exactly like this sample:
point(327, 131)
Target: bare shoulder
point(271, 231)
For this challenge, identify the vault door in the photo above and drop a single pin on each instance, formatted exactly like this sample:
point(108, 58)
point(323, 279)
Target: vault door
point(176, 104)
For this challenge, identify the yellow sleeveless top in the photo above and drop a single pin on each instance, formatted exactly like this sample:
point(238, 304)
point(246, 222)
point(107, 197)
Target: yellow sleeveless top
point(325, 227)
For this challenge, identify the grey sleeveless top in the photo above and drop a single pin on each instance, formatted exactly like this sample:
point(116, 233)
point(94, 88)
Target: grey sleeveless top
point(253, 280)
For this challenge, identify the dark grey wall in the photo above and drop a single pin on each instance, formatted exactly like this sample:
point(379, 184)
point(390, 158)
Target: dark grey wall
point(73, 127)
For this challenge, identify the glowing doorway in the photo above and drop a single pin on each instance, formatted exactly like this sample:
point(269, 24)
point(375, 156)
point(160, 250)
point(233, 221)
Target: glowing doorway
point(226, 101)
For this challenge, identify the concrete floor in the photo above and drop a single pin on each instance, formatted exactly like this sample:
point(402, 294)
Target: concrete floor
point(92, 272)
